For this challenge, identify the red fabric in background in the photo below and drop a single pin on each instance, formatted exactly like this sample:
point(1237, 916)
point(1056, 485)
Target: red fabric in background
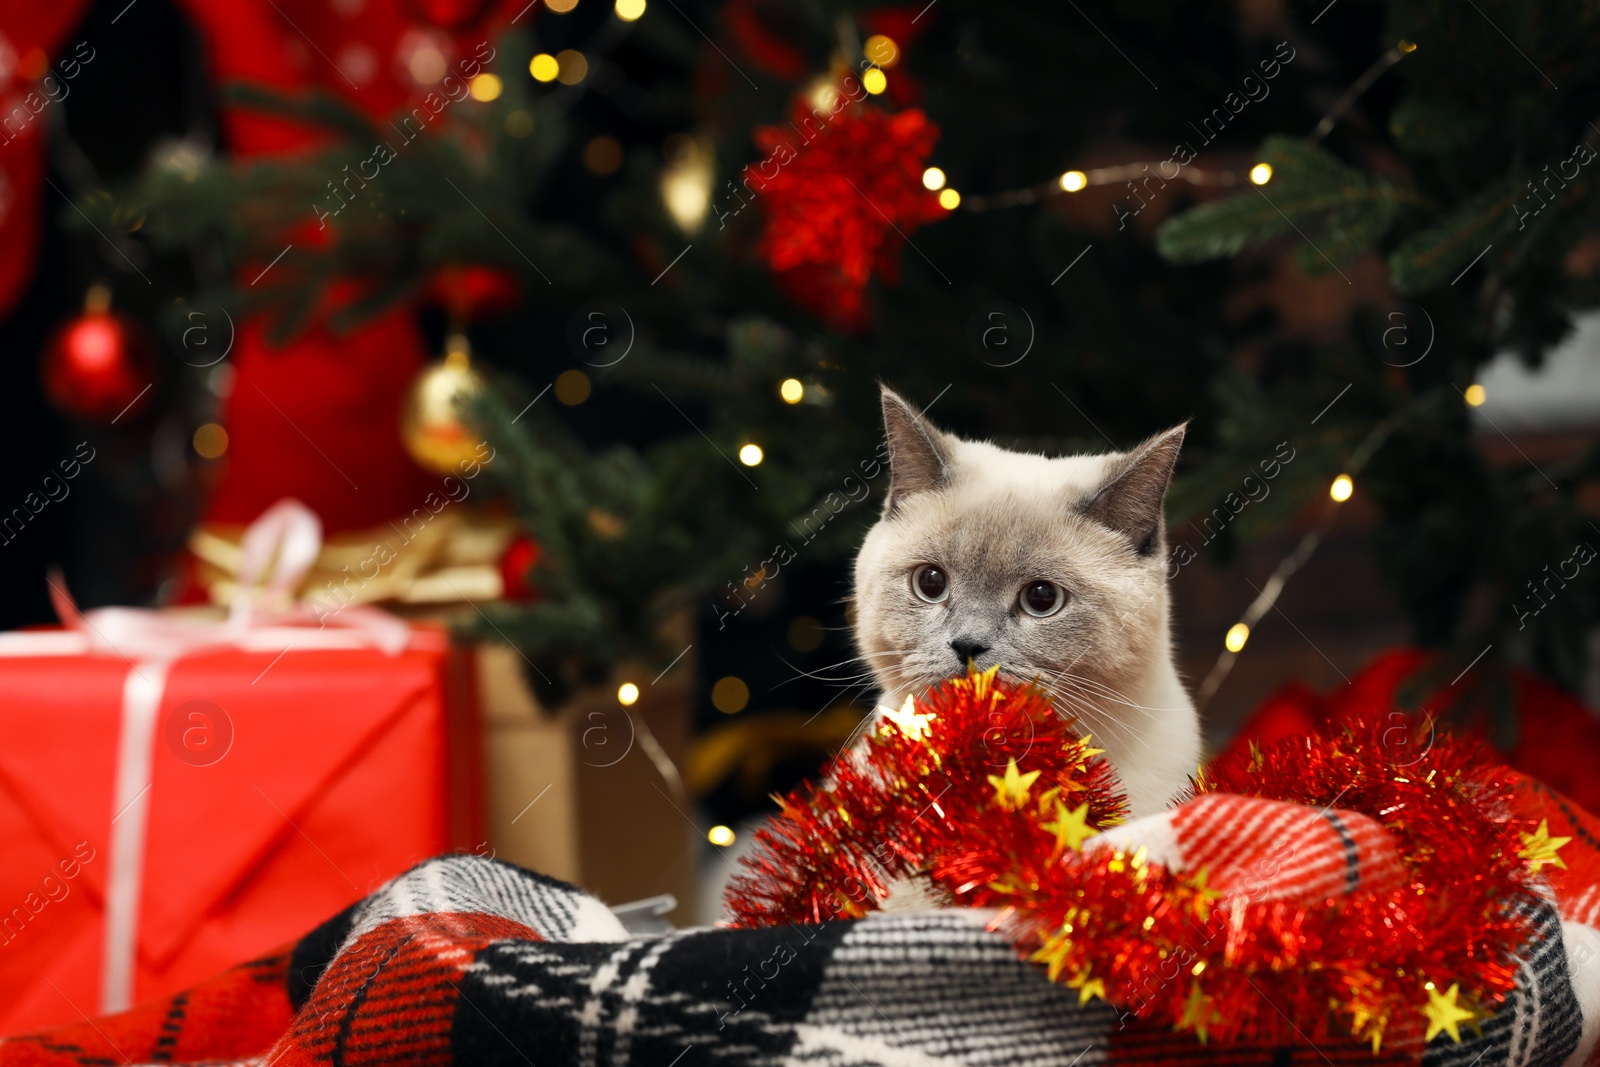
point(344, 47)
point(345, 768)
point(319, 419)
point(1558, 740)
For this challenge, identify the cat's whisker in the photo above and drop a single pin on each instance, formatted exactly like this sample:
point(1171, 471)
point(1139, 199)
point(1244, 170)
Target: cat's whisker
point(1115, 712)
point(1102, 724)
point(861, 727)
point(1122, 704)
point(821, 674)
point(1098, 719)
point(1091, 685)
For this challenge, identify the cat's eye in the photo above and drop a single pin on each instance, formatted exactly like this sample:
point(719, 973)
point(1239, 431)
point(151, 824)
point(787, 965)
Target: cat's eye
point(930, 583)
point(1042, 599)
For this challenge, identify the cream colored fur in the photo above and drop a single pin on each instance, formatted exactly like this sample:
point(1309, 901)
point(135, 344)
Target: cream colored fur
point(996, 520)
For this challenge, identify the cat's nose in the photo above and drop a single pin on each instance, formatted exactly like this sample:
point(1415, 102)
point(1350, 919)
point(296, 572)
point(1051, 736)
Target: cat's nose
point(968, 649)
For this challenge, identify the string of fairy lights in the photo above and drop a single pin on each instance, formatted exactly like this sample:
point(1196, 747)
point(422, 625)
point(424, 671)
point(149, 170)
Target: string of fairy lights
point(1074, 181)
point(1340, 491)
point(731, 695)
point(686, 191)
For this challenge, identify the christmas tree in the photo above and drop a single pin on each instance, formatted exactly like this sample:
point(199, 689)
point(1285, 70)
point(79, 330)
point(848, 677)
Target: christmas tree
point(725, 223)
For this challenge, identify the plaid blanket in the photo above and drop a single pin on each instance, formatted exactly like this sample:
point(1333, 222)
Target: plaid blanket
point(464, 960)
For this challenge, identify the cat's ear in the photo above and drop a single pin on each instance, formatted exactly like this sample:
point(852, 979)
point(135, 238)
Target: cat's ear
point(919, 454)
point(1130, 500)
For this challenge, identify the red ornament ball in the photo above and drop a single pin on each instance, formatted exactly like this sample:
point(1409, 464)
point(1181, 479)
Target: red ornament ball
point(99, 367)
point(517, 563)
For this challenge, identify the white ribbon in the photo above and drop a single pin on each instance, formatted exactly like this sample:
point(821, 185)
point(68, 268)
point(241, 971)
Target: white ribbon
point(141, 706)
point(278, 550)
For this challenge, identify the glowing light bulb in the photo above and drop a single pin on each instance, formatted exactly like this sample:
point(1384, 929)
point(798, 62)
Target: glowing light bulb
point(822, 94)
point(1073, 180)
point(210, 440)
point(1238, 634)
point(793, 390)
point(1406, 46)
point(573, 387)
point(627, 694)
point(573, 67)
point(1476, 395)
point(686, 180)
point(730, 695)
point(544, 67)
point(874, 81)
point(1341, 488)
point(933, 179)
point(630, 10)
point(882, 50)
point(721, 836)
point(485, 87)
point(949, 199)
point(427, 66)
point(1261, 173)
point(751, 455)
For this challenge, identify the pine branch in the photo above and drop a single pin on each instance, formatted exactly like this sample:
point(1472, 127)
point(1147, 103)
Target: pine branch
point(1335, 206)
point(1438, 254)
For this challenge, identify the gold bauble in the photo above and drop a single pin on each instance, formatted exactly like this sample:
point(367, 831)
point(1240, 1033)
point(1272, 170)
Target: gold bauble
point(431, 416)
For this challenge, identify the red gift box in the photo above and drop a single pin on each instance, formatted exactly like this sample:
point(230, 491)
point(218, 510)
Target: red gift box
point(277, 788)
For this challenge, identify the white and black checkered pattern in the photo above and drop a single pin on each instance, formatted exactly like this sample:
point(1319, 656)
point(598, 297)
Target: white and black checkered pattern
point(934, 989)
point(472, 884)
point(1540, 1021)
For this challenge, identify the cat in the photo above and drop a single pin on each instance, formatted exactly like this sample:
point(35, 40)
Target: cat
point(1054, 569)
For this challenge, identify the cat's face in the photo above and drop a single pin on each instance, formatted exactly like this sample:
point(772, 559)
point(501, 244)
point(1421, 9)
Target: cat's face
point(1051, 568)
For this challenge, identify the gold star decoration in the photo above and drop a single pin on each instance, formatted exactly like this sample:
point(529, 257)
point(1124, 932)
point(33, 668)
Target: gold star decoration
point(908, 720)
point(1087, 753)
point(1053, 954)
point(1539, 848)
point(1088, 750)
point(1012, 788)
point(1087, 987)
point(1201, 883)
point(1363, 1023)
point(1197, 1013)
point(1444, 1014)
point(1071, 827)
point(981, 683)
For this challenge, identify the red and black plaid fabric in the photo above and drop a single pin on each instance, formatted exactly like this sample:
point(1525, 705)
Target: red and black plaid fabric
point(469, 961)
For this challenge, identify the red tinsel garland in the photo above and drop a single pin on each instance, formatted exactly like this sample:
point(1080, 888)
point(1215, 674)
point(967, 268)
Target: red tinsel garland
point(885, 811)
point(984, 787)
